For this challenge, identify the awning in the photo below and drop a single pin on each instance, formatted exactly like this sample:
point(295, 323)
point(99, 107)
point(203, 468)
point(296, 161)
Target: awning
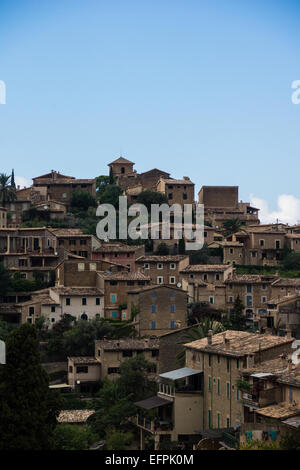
point(180, 373)
point(293, 422)
point(153, 402)
point(261, 375)
point(57, 386)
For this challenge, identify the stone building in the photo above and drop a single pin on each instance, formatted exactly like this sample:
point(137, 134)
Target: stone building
point(221, 203)
point(116, 287)
point(119, 253)
point(163, 269)
point(177, 191)
point(157, 309)
point(3, 217)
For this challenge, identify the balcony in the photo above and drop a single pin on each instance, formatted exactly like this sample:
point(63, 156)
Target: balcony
point(261, 398)
point(154, 425)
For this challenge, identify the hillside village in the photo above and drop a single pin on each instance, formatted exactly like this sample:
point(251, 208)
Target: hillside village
point(216, 326)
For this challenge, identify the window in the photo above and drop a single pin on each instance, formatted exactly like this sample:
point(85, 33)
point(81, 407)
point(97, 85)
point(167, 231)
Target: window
point(153, 325)
point(97, 300)
point(228, 364)
point(209, 360)
point(153, 294)
point(217, 277)
point(72, 242)
point(249, 300)
point(68, 301)
point(231, 251)
point(92, 266)
point(83, 241)
point(228, 422)
point(209, 383)
point(113, 298)
point(160, 280)
point(172, 266)
point(253, 254)
point(113, 370)
point(80, 266)
point(114, 314)
point(153, 308)
point(230, 286)
point(53, 308)
point(31, 311)
point(211, 300)
point(219, 420)
point(205, 277)
point(230, 299)
point(170, 196)
point(249, 288)
point(83, 301)
point(263, 286)
point(127, 353)
point(237, 394)
point(84, 316)
point(261, 242)
point(277, 244)
point(219, 387)
point(172, 324)
point(146, 266)
point(264, 300)
point(228, 390)
point(160, 266)
point(172, 308)
point(82, 369)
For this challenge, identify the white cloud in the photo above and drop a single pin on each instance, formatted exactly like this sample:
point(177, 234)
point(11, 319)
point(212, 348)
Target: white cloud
point(21, 181)
point(288, 209)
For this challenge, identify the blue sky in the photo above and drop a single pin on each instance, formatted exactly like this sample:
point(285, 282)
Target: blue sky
point(198, 88)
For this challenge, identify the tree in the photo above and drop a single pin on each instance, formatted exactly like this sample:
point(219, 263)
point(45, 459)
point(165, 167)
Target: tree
point(5, 280)
point(291, 261)
point(12, 180)
point(28, 408)
point(290, 441)
point(162, 249)
point(7, 191)
point(70, 437)
point(111, 195)
point(117, 439)
point(147, 198)
point(111, 177)
point(5, 329)
point(82, 200)
point(201, 256)
point(134, 379)
point(231, 226)
point(181, 246)
point(237, 317)
point(102, 182)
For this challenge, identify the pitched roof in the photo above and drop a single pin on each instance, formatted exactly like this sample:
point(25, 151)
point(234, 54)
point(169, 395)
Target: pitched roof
point(120, 160)
point(202, 268)
point(74, 416)
point(83, 360)
point(239, 343)
point(291, 377)
point(251, 278)
point(161, 259)
point(87, 291)
point(279, 411)
point(156, 286)
point(124, 276)
point(174, 181)
point(274, 366)
point(128, 343)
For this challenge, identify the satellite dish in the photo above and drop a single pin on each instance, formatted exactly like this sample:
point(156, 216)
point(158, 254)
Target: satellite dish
point(179, 284)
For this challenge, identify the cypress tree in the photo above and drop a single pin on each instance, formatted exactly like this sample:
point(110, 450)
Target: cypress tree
point(28, 409)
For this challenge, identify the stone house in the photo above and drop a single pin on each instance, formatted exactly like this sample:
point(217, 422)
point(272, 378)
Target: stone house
point(116, 287)
point(177, 191)
point(157, 309)
point(119, 253)
point(163, 269)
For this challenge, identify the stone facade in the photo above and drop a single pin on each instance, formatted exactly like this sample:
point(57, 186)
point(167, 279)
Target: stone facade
point(163, 269)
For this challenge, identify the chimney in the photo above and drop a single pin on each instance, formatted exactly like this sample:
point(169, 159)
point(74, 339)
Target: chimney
point(209, 337)
point(250, 360)
point(288, 333)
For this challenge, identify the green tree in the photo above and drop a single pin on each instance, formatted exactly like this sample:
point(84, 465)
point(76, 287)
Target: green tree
point(290, 441)
point(151, 197)
point(70, 437)
point(181, 246)
point(102, 182)
point(201, 256)
point(231, 226)
point(5, 329)
point(7, 191)
point(28, 408)
point(111, 195)
point(81, 201)
point(291, 261)
point(237, 317)
point(162, 249)
point(134, 379)
point(5, 280)
point(117, 439)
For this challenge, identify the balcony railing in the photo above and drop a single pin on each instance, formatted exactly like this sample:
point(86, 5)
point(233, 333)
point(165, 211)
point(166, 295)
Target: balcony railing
point(262, 398)
point(155, 424)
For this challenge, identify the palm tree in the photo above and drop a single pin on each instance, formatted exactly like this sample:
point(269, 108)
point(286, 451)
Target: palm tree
point(198, 332)
point(231, 226)
point(7, 191)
